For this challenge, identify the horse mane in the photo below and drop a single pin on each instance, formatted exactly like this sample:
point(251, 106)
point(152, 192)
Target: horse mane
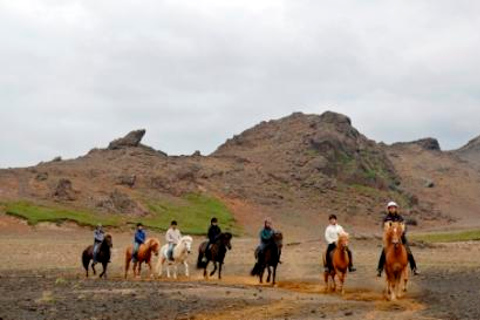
point(186, 238)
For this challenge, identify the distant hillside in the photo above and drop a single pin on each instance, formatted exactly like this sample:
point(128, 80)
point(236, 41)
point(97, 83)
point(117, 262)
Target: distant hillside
point(297, 169)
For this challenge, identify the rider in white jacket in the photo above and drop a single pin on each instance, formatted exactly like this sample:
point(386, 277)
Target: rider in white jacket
point(173, 237)
point(331, 237)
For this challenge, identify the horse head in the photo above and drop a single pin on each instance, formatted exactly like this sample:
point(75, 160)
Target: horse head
point(226, 240)
point(153, 245)
point(108, 240)
point(186, 241)
point(278, 239)
point(394, 232)
point(342, 241)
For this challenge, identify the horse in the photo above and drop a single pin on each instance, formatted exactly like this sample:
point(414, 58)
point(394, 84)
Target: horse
point(340, 262)
point(396, 260)
point(103, 256)
point(269, 259)
point(144, 254)
point(180, 255)
point(216, 253)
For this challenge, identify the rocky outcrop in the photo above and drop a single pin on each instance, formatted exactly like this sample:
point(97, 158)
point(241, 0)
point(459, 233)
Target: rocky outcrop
point(431, 144)
point(132, 139)
point(120, 202)
point(63, 191)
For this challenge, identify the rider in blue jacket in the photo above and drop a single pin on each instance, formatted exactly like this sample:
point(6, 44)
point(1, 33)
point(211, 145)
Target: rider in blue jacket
point(139, 239)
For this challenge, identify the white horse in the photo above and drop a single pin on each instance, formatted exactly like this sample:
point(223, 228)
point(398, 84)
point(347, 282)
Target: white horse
point(180, 255)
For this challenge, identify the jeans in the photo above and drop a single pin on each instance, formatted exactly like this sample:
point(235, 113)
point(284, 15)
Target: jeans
point(96, 245)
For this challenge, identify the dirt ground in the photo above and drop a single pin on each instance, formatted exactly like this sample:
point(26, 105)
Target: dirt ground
point(41, 278)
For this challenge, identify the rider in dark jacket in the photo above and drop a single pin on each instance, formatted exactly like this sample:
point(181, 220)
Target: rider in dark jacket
point(394, 216)
point(214, 231)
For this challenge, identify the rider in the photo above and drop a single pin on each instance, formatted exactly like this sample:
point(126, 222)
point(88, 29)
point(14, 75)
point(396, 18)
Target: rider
point(394, 216)
point(331, 236)
point(98, 235)
point(173, 237)
point(213, 232)
point(139, 239)
point(266, 236)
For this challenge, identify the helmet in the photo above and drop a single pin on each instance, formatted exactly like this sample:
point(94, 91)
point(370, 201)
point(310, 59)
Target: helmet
point(392, 204)
point(99, 226)
point(174, 223)
point(214, 220)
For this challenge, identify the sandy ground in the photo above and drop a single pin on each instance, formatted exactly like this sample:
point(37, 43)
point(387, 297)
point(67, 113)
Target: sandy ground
point(41, 278)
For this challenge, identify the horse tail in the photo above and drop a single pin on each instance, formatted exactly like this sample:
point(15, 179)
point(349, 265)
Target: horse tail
point(85, 259)
point(256, 270)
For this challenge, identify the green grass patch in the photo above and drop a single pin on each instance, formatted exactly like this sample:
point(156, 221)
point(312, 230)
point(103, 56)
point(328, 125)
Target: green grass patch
point(456, 236)
point(37, 213)
point(193, 214)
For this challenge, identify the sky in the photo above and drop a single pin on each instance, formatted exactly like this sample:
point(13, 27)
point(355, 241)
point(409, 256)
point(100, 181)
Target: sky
point(76, 74)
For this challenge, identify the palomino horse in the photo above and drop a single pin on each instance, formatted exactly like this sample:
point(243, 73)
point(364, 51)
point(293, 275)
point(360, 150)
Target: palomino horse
point(215, 253)
point(144, 254)
point(340, 262)
point(396, 260)
point(269, 259)
point(103, 256)
point(180, 255)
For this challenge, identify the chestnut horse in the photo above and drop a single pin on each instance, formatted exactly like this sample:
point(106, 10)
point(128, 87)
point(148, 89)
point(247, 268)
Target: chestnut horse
point(340, 262)
point(103, 256)
point(396, 260)
point(152, 245)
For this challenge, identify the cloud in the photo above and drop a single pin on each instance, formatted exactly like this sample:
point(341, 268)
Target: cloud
point(76, 74)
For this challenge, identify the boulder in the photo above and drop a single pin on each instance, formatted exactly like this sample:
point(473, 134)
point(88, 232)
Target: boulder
point(132, 139)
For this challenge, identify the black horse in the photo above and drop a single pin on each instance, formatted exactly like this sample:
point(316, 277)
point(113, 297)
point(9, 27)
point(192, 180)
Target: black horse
point(269, 259)
point(103, 256)
point(216, 253)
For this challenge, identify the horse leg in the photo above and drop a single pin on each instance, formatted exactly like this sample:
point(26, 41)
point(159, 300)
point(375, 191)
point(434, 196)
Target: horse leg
point(274, 275)
point(341, 277)
point(93, 268)
point(205, 275)
point(160, 264)
point(214, 269)
point(175, 271)
point(185, 263)
point(220, 270)
point(326, 277)
point(104, 265)
point(150, 269)
point(139, 269)
point(261, 274)
point(269, 276)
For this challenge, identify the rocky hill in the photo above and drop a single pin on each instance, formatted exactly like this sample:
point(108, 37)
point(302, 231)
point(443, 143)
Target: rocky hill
point(297, 169)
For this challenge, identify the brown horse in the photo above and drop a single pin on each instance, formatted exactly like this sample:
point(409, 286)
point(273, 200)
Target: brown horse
point(396, 260)
point(103, 256)
point(216, 253)
point(340, 262)
point(152, 245)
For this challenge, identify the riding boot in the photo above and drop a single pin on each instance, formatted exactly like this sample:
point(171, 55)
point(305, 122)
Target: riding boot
point(411, 260)
point(351, 268)
point(381, 263)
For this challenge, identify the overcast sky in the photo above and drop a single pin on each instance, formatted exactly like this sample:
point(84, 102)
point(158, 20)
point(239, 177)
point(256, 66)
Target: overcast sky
point(77, 74)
